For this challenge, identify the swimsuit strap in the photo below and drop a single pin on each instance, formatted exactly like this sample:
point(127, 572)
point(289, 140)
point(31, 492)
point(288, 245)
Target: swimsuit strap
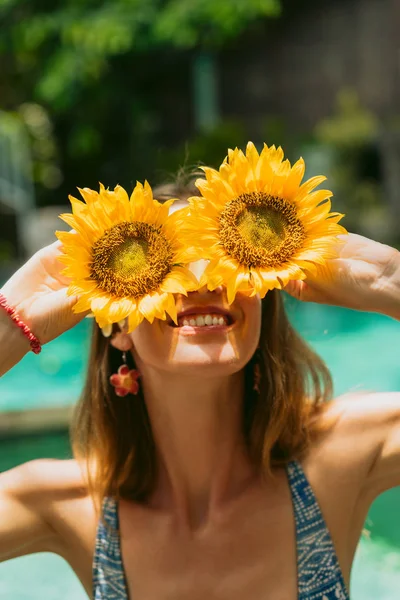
point(318, 571)
point(108, 572)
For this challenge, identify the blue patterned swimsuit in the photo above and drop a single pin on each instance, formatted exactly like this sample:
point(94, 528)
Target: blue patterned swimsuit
point(319, 573)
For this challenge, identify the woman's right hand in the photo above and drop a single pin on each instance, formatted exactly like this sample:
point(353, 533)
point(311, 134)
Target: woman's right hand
point(38, 292)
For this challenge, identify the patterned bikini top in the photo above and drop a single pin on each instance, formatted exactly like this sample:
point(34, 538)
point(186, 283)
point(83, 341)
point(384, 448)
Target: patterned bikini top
point(319, 574)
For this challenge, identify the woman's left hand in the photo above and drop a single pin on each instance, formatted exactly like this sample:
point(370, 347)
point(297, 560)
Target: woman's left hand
point(361, 277)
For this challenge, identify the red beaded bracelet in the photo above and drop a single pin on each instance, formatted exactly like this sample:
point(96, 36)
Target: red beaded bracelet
point(33, 340)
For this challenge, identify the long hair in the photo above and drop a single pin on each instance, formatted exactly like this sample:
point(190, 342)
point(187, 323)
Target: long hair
point(112, 436)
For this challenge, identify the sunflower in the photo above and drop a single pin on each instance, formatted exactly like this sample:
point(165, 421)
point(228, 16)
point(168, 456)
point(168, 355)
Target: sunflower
point(258, 225)
point(124, 256)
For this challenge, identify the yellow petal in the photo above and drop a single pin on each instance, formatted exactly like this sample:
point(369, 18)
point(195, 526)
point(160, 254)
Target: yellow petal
point(98, 304)
point(88, 195)
point(82, 287)
point(231, 289)
point(134, 319)
point(315, 215)
point(211, 279)
point(311, 201)
point(264, 173)
point(308, 187)
point(280, 178)
point(256, 280)
point(171, 308)
point(122, 203)
point(76, 270)
point(152, 305)
point(120, 309)
point(172, 285)
point(294, 180)
point(78, 207)
point(275, 156)
point(179, 281)
point(140, 205)
point(148, 192)
point(252, 155)
point(82, 305)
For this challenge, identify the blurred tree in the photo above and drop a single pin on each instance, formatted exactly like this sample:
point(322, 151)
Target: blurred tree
point(107, 73)
point(352, 133)
point(71, 42)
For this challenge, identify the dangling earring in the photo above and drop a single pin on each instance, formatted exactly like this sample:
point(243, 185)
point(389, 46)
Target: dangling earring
point(125, 380)
point(257, 372)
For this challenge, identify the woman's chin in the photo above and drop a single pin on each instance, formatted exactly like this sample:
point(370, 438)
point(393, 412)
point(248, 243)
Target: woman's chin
point(218, 359)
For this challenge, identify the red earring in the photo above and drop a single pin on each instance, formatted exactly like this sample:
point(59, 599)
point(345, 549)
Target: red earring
point(125, 381)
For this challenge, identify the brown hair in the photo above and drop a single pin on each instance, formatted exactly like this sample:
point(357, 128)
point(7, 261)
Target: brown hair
point(113, 436)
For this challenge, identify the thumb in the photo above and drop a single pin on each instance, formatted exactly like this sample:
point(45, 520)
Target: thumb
point(67, 303)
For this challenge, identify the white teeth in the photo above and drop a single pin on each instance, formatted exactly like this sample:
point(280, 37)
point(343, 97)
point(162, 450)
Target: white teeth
point(203, 320)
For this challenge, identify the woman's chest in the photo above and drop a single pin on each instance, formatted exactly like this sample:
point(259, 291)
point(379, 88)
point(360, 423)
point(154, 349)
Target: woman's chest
point(250, 555)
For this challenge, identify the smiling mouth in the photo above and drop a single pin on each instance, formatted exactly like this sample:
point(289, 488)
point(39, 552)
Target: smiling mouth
point(208, 318)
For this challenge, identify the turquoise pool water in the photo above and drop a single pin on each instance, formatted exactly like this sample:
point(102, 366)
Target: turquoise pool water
point(52, 378)
point(362, 351)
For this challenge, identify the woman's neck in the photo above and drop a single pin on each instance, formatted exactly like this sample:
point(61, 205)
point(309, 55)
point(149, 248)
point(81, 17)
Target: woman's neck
point(197, 428)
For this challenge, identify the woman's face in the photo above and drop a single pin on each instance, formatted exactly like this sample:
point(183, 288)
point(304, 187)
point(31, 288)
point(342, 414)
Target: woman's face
point(210, 334)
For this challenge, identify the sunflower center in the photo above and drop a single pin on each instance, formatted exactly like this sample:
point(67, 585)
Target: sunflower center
point(263, 227)
point(259, 230)
point(131, 259)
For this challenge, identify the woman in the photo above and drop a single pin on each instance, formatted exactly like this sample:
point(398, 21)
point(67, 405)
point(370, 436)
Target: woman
point(223, 477)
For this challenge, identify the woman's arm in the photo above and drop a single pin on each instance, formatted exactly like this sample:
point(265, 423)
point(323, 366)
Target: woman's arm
point(365, 276)
point(390, 289)
point(23, 525)
point(14, 344)
point(37, 291)
point(36, 500)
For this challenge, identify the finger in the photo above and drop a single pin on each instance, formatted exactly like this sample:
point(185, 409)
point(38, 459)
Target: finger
point(294, 289)
point(55, 248)
point(49, 257)
point(304, 292)
point(68, 302)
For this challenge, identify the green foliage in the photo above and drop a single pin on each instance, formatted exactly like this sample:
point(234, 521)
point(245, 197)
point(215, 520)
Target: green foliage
point(70, 46)
point(352, 135)
point(351, 127)
point(96, 84)
point(190, 23)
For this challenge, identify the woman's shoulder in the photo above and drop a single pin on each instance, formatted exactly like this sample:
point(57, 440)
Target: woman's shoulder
point(46, 485)
point(347, 432)
point(42, 500)
point(46, 475)
point(353, 411)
